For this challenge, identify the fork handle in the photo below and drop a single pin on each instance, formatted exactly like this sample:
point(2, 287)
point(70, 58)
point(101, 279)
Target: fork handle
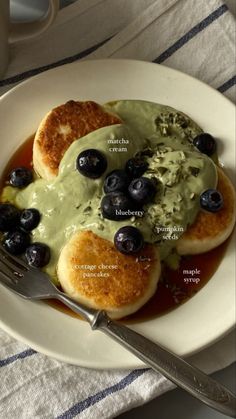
point(159, 359)
point(171, 366)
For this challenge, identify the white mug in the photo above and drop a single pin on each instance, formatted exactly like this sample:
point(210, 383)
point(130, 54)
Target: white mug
point(15, 32)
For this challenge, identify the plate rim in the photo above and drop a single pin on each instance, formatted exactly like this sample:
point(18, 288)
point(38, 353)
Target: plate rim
point(14, 333)
point(126, 60)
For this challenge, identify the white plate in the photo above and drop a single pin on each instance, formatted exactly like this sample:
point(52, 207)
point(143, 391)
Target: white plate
point(208, 315)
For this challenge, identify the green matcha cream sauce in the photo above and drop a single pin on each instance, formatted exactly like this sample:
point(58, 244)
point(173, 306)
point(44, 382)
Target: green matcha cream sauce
point(71, 202)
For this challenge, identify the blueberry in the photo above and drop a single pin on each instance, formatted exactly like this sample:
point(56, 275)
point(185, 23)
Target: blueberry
point(128, 240)
point(91, 163)
point(38, 255)
point(116, 181)
point(135, 167)
point(142, 190)
point(15, 242)
point(29, 219)
point(205, 143)
point(116, 206)
point(20, 177)
point(211, 200)
point(9, 217)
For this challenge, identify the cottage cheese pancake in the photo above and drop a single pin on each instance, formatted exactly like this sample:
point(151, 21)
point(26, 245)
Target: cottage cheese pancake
point(210, 230)
point(93, 272)
point(60, 127)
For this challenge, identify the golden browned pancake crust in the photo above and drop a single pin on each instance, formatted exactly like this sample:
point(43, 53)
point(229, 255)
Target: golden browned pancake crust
point(210, 224)
point(66, 123)
point(124, 285)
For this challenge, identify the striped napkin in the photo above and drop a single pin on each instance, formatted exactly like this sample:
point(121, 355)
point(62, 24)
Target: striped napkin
point(194, 36)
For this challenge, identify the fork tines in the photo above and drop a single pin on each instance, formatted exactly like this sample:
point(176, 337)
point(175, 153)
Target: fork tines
point(12, 261)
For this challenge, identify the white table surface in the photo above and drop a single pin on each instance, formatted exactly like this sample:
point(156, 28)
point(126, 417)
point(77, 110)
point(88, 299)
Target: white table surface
point(175, 404)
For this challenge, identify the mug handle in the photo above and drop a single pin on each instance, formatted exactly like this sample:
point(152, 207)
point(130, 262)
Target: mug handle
point(29, 30)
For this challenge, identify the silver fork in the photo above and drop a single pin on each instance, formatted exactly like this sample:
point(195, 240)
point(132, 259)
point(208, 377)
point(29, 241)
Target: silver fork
point(33, 284)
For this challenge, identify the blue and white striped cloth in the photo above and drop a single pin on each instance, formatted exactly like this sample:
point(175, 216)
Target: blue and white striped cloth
point(194, 36)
